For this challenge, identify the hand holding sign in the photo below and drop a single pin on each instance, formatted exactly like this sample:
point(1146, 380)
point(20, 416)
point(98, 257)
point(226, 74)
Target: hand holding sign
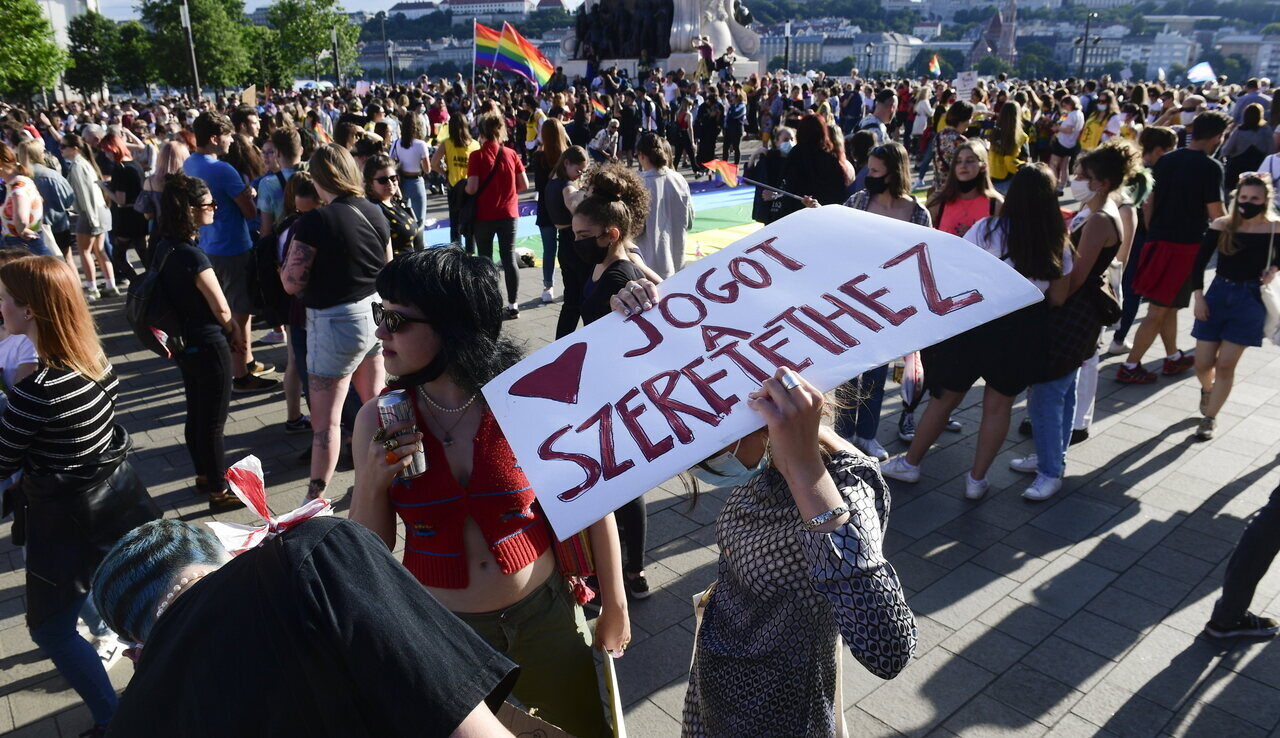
point(601, 416)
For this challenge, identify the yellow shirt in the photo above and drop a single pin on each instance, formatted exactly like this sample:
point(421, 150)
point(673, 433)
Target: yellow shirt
point(533, 128)
point(455, 159)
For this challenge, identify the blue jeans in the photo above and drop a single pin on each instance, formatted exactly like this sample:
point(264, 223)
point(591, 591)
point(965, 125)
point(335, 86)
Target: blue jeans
point(863, 420)
point(415, 191)
point(1130, 300)
point(1052, 407)
point(927, 159)
point(549, 234)
point(76, 661)
point(38, 246)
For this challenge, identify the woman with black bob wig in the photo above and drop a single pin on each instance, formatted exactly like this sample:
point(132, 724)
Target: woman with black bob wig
point(475, 535)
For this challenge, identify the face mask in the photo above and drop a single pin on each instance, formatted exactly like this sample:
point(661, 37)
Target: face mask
point(589, 250)
point(1249, 210)
point(964, 186)
point(876, 185)
point(1187, 117)
point(785, 147)
point(1081, 191)
point(726, 470)
point(1157, 106)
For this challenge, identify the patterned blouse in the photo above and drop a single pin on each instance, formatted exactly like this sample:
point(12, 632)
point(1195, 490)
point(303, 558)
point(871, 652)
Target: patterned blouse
point(944, 150)
point(861, 200)
point(23, 207)
point(764, 660)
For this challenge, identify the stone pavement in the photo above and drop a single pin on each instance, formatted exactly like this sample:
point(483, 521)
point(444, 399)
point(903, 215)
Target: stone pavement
point(1077, 616)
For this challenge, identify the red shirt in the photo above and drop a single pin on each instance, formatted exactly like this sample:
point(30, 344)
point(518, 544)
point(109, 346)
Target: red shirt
point(498, 497)
point(499, 199)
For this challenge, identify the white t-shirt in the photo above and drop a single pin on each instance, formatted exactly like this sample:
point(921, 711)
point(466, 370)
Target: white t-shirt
point(1071, 127)
point(411, 158)
point(994, 245)
point(14, 351)
point(670, 91)
point(1114, 123)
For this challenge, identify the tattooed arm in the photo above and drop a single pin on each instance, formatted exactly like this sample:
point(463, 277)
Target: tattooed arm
point(296, 272)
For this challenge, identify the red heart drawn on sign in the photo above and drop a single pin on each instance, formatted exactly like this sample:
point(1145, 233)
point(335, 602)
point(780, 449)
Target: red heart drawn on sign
point(556, 381)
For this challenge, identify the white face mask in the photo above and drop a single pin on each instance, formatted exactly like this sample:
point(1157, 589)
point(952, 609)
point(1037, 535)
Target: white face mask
point(785, 147)
point(727, 470)
point(1081, 191)
point(1187, 117)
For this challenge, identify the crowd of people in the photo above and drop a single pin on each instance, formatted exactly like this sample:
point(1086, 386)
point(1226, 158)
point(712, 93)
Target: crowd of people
point(303, 220)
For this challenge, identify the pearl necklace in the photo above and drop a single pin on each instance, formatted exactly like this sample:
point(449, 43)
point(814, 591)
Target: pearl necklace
point(433, 403)
point(177, 590)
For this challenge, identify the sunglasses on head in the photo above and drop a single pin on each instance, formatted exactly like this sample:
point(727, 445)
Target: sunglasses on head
point(387, 179)
point(392, 320)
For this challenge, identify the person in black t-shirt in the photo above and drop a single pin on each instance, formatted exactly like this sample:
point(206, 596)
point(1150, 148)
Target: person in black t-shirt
point(188, 284)
point(1187, 195)
point(317, 632)
point(334, 257)
point(603, 226)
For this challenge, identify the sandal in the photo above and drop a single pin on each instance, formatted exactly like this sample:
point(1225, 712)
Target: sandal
point(224, 500)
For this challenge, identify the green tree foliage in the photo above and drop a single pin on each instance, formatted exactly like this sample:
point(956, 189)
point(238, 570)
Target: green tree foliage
point(92, 38)
point(305, 28)
point(29, 58)
point(218, 28)
point(1112, 68)
point(990, 66)
point(267, 62)
point(134, 61)
point(1271, 29)
point(1035, 60)
point(950, 61)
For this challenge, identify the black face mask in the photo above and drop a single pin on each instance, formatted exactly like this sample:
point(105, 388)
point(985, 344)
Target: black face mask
point(589, 250)
point(1249, 210)
point(967, 186)
point(876, 185)
point(428, 373)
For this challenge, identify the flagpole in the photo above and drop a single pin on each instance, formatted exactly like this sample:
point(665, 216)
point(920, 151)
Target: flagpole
point(475, 59)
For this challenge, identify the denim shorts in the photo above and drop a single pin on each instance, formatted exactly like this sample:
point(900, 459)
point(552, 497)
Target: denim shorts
point(1236, 314)
point(340, 337)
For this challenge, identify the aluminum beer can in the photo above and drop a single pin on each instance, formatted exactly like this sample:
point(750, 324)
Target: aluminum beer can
point(395, 407)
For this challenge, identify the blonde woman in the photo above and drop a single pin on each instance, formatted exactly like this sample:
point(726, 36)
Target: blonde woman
point(1230, 315)
point(967, 194)
point(169, 159)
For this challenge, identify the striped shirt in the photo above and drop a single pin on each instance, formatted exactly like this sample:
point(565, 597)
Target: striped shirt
point(56, 420)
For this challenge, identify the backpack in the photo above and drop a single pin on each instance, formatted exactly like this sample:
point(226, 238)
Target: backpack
point(270, 301)
point(152, 318)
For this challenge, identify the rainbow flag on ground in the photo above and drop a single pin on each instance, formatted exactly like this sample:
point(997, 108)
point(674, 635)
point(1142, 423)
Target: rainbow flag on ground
point(935, 67)
point(486, 43)
point(728, 172)
point(601, 110)
point(517, 54)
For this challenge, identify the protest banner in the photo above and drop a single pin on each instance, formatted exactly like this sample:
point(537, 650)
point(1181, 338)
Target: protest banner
point(607, 413)
point(965, 84)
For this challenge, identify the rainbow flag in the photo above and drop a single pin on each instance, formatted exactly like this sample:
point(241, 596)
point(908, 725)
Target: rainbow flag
point(486, 42)
point(728, 172)
point(601, 110)
point(935, 68)
point(321, 135)
point(517, 54)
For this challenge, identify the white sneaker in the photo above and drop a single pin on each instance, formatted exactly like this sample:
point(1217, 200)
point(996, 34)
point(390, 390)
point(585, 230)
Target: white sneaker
point(93, 295)
point(1042, 488)
point(871, 447)
point(548, 295)
point(273, 337)
point(918, 184)
point(898, 468)
point(1118, 347)
point(974, 489)
point(1027, 464)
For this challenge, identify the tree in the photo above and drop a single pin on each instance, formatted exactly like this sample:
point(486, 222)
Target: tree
point(29, 58)
point(446, 69)
point(92, 39)
point(1111, 68)
point(267, 62)
point(1271, 29)
point(218, 29)
point(949, 60)
point(134, 61)
point(1138, 70)
point(990, 66)
point(306, 28)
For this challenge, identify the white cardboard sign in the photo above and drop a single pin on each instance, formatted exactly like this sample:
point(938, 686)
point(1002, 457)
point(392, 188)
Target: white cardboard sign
point(965, 83)
point(607, 413)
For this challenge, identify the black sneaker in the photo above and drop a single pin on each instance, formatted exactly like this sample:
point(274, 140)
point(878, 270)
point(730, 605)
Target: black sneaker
point(637, 586)
point(1249, 626)
point(1024, 428)
point(1079, 435)
point(301, 424)
point(257, 367)
point(251, 385)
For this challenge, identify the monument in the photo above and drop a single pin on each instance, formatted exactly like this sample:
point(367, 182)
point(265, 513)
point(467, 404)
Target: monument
point(622, 32)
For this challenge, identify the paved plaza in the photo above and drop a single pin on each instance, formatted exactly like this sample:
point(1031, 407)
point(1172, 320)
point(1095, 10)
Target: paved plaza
point(1077, 616)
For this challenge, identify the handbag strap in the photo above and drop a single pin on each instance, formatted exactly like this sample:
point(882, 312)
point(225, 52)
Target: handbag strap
point(497, 161)
point(365, 218)
point(1271, 252)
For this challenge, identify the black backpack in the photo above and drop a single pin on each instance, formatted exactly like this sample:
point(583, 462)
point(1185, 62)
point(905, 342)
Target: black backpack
point(270, 301)
point(152, 318)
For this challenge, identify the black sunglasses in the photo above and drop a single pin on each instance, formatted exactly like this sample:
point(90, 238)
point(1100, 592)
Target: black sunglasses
point(387, 179)
point(392, 320)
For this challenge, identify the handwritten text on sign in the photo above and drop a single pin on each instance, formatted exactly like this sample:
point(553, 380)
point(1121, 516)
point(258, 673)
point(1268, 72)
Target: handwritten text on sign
point(611, 411)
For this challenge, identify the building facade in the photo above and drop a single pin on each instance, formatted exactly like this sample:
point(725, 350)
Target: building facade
point(60, 13)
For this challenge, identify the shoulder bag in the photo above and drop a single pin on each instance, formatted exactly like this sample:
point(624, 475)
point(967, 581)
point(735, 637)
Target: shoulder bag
point(1270, 292)
point(467, 203)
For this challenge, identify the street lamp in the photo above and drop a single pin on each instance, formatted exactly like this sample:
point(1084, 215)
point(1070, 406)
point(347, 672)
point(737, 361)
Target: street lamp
point(386, 50)
point(868, 50)
point(1084, 41)
point(786, 47)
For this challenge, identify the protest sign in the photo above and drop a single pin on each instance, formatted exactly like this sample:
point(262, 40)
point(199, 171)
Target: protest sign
point(620, 406)
point(965, 84)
